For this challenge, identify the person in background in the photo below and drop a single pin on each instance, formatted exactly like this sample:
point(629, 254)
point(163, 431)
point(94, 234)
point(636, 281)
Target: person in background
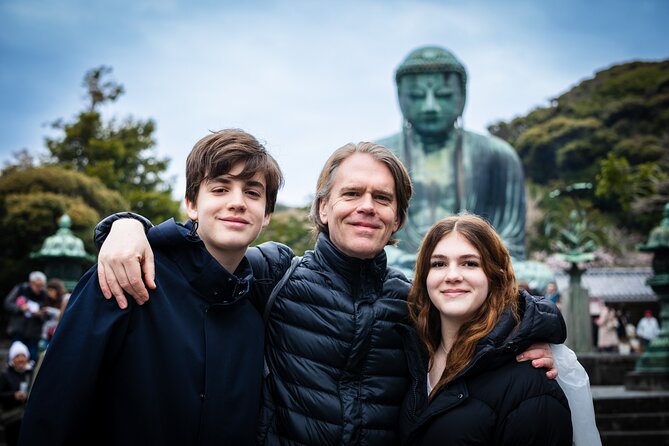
point(470, 318)
point(647, 329)
point(51, 310)
point(607, 333)
point(624, 346)
point(552, 293)
point(14, 388)
point(24, 305)
point(55, 290)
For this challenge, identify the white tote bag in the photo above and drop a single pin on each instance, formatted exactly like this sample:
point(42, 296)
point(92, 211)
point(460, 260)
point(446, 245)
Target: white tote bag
point(575, 384)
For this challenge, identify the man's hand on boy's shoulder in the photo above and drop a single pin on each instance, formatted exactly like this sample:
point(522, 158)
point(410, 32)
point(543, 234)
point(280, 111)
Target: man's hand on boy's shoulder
point(125, 262)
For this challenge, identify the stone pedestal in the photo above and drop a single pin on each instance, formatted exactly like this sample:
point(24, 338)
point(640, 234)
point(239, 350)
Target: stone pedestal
point(577, 313)
point(646, 381)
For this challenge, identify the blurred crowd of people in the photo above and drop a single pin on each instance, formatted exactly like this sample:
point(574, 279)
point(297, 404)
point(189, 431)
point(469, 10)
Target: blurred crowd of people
point(613, 329)
point(34, 308)
point(615, 332)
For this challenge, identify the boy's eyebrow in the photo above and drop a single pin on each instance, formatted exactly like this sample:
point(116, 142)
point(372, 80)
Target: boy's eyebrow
point(255, 183)
point(226, 179)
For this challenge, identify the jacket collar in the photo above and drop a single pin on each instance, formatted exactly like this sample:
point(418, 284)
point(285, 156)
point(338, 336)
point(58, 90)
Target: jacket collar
point(214, 283)
point(350, 268)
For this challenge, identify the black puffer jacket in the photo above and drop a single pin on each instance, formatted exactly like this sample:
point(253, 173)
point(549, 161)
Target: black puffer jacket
point(496, 400)
point(337, 372)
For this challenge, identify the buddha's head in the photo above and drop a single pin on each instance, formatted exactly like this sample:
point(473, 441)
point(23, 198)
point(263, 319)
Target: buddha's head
point(431, 87)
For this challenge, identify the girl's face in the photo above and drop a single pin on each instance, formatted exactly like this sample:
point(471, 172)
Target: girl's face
point(52, 293)
point(456, 282)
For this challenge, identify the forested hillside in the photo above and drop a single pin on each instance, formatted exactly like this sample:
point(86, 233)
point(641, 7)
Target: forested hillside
point(611, 131)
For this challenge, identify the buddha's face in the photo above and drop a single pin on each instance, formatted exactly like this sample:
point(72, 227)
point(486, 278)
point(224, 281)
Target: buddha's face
point(431, 102)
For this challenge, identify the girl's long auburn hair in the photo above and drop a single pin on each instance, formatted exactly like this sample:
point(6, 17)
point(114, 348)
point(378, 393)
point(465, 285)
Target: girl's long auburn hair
point(502, 292)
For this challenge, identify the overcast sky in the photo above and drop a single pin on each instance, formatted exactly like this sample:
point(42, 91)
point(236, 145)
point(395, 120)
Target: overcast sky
point(306, 76)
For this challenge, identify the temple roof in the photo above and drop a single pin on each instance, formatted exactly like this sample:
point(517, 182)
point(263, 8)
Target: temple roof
point(63, 243)
point(614, 284)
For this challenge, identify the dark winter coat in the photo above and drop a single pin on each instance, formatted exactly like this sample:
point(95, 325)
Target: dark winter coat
point(495, 400)
point(337, 373)
point(10, 383)
point(183, 369)
point(29, 328)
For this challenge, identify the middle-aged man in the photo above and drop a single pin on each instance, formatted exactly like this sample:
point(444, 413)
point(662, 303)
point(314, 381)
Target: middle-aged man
point(336, 370)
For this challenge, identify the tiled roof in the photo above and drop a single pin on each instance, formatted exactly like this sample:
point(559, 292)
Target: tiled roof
point(614, 284)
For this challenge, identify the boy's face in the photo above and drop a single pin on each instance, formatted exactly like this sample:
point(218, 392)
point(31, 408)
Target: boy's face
point(230, 213)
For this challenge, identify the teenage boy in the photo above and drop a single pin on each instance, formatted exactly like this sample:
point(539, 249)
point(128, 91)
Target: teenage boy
point(185, 368)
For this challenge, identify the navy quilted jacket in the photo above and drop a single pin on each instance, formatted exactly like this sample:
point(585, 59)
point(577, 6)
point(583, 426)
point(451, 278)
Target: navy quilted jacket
point(337, 372)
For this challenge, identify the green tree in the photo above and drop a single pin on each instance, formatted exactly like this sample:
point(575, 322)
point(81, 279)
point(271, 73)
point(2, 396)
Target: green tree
point(32, 199)
point(290, 226)
point(630, 185)
point(119, 153)
point(612, 131)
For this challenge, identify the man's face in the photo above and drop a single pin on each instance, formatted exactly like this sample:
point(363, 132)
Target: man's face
point(431, 102)
point(37, 286)
point(230, 213)
point(361, 210)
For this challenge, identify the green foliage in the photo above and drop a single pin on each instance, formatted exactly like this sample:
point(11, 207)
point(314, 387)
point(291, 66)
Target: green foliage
point(620, 180)
point(612, 131)
point(556, 145)
point(98, 91)
point(614, 179)
point(576, 240)
point(118, 153)
point(573, 211)
point(291, 227)
point(32, 199)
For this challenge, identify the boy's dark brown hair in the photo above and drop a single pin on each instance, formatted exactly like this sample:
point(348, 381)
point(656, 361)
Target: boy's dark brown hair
point(216, 154)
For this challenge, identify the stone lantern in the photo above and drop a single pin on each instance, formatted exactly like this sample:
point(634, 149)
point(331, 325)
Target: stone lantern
point(652, 368)
point(577, 246)
point(64, 255)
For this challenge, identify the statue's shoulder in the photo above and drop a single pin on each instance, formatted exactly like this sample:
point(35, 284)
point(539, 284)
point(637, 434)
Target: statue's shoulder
point(489, 143)
point(392, 142)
